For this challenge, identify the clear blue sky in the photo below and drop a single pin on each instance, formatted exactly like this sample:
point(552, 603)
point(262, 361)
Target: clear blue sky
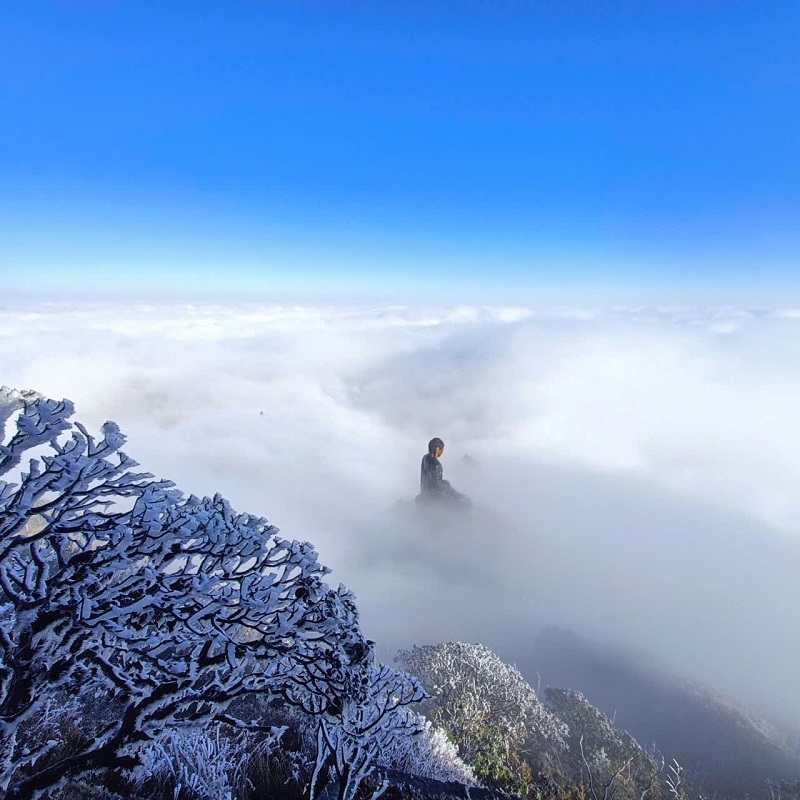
point(399, 143)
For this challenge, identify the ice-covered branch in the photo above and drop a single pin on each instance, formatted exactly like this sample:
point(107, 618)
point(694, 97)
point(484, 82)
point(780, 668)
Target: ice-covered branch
point(174, 606)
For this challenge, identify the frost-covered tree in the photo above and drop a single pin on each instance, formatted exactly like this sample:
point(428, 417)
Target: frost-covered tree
point(176, 607)
point(353, 739)
point(486, 707)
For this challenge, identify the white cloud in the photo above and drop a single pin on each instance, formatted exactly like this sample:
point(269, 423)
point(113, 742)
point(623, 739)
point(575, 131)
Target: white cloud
point(644, 463)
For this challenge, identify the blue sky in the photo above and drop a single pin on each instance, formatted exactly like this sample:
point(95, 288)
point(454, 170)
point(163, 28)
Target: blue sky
point(390, 145)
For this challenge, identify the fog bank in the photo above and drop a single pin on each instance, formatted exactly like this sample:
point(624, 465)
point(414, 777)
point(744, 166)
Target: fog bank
point(634, 469)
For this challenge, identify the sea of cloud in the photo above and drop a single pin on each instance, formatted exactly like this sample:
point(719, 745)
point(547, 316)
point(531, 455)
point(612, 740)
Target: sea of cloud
point(635, 471)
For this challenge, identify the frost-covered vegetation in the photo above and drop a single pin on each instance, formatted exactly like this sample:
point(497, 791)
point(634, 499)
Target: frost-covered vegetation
point(164, 613)
point(562, 747)
point(165, 647)
point(487, 708)
point(600, 756)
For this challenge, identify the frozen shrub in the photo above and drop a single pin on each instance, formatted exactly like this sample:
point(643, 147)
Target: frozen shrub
point(175, 608)
point(486, 708)
point(429, 754)
point(471, 688)
point(200, 763)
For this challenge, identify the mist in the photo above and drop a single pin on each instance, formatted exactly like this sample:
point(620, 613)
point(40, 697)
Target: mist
point(634, 470)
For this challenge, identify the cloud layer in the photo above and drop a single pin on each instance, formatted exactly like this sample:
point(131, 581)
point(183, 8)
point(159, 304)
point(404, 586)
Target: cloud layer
point(635, 470)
